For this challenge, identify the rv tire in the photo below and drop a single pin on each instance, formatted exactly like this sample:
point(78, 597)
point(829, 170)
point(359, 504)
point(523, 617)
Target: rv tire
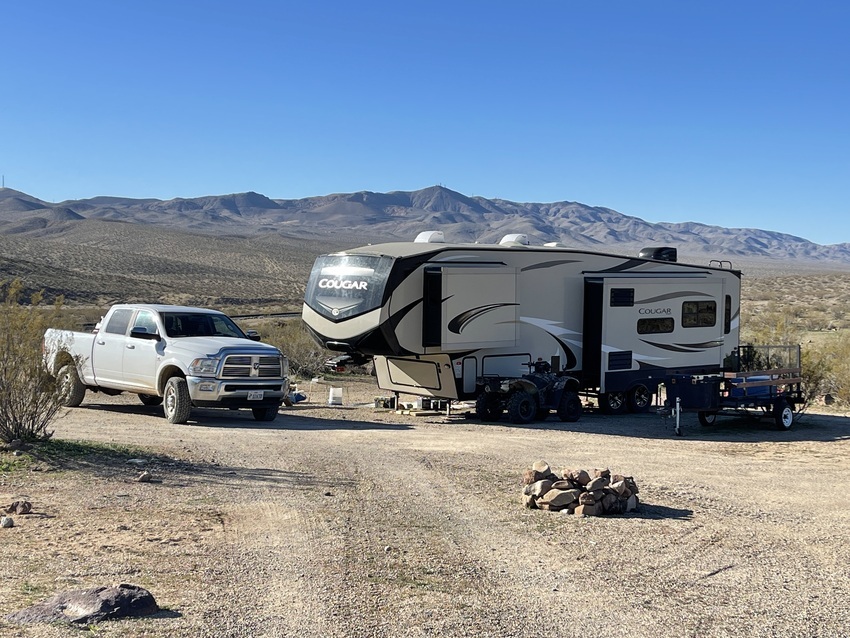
point(707, 418)
point(522, 407)
point(569, 409)
point(612, 402)
point(640, 399)
point(488, 407)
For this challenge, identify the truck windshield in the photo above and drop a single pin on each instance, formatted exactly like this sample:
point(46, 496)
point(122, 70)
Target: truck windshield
point(344, 286)
point(198, 324)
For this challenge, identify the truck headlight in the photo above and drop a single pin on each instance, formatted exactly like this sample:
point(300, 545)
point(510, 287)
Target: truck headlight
point(203, 367)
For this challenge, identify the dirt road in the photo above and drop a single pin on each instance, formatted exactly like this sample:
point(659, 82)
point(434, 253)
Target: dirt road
point(347, 521)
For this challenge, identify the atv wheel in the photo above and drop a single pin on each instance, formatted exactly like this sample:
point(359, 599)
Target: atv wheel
point(522, 408)
point(569, 409)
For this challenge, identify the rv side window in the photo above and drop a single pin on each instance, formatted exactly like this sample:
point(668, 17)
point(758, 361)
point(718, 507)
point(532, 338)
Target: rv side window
point(622, 297)
point(655, 326)
point(727, 316)
point(699, 314)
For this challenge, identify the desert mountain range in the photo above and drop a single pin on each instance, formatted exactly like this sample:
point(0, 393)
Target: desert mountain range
point(180, 249)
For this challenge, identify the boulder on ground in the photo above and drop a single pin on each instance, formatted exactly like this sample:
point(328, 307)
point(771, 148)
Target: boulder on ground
point(88, 606)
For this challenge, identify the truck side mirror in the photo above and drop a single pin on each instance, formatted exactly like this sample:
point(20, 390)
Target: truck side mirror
point(253, 335)
point(140, 332)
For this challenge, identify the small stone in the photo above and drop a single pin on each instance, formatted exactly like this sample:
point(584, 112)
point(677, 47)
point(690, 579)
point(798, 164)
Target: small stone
point(6, 522)
point(542, 467)
point(144, 477)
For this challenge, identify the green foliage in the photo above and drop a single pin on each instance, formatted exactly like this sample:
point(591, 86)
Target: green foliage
point(306, 357)
point(29, 400)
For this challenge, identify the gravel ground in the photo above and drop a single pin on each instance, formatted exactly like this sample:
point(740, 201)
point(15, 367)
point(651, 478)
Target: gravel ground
point(351, 521)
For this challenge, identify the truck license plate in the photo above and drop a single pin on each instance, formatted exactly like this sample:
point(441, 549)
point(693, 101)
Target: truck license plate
point(255, 395)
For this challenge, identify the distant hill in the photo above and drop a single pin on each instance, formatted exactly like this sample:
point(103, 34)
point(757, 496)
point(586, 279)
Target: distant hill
point(401, 215)
point(243, 246)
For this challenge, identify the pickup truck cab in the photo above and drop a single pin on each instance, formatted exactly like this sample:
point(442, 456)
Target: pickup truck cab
point(179, 356)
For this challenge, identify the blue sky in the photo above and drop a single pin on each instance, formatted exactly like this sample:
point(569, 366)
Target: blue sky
point(728, 113)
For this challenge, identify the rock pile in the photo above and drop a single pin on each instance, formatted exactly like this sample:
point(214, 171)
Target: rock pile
point(578, 491)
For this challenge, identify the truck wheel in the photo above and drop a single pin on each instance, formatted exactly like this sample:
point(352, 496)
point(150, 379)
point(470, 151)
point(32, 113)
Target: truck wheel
point(612, 402)
point(522, 408)
point(783, 415)
point(176, 402)
point(71, 389)
point(569, 409)
point(707, 418)
point(265, 414)
point(488, 406)
point(150, 399)
point(640, 399)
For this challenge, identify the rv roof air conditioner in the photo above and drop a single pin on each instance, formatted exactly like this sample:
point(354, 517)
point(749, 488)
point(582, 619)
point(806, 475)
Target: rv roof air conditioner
point(661, 253)
point(430, 237)
point(515, 239)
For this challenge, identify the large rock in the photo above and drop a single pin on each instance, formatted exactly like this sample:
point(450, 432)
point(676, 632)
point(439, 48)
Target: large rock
point(89, 606)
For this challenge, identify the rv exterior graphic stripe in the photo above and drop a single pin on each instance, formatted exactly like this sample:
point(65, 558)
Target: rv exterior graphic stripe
point(457, 324)
point(550, 264)
point(626, 265)
point(674, 295)
point(668, 346)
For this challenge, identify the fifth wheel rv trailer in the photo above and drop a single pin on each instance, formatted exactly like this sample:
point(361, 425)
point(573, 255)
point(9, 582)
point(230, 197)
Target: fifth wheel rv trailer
point(442, 319)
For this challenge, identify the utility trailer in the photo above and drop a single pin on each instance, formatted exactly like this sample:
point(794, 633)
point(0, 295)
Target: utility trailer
point(452, 320)
point(761, 381)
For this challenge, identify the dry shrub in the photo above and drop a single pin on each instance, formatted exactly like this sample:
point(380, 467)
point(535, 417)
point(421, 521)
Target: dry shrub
point(306, 357)
point(29, 400)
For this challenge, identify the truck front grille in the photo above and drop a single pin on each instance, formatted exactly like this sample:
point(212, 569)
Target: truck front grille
point(242, 366)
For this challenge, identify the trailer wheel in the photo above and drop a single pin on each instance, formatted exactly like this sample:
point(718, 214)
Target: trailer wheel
point(71, 389)
point(177, 404)
point(488, 407)
point(640, 399)
point(612, 402)
point(783, 415)
point(569, 409)
point(521, 407)
point(150, 399)
point(707, 418)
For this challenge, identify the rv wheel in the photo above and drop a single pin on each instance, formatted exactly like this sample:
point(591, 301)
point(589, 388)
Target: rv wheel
point(488, 407)
point(569, 409)
point(521, 407)
point(640, 399)
point(612, 402)
point(707, 418)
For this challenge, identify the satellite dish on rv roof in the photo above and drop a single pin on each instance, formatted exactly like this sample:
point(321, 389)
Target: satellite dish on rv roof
point(430, 237)
point(514, 239)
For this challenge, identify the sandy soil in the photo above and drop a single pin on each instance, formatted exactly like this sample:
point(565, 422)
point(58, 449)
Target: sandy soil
point(351, 521)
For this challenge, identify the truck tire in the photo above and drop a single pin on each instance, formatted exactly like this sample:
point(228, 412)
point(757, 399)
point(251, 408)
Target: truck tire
point(488, 406)
point(71, 389)
point(612, 402)
point(150, 399)
point(265, 414)
point(783, 415)
point(569, 408)
point(522, 408)
point(639, 399)
point(176, 402)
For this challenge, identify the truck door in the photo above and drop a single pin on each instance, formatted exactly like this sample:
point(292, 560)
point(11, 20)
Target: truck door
point(140, 355)
point(109, 345)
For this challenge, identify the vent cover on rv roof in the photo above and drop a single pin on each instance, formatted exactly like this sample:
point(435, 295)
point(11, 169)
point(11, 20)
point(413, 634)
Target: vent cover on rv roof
point(514, 239)
point(430, 237)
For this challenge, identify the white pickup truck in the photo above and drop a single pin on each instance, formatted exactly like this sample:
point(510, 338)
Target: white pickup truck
point(174, 355)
